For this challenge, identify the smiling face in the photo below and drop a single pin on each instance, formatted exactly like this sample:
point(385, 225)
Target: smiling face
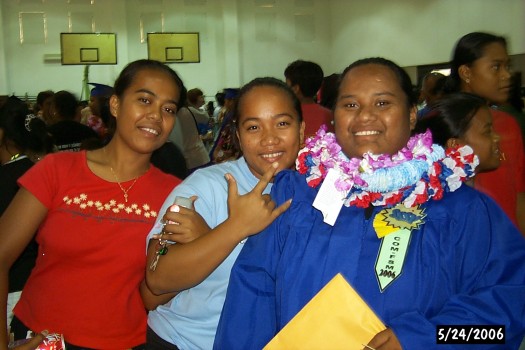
point(489, 76)
point(268, 129)
point(372, 112)
point(484, 141)
point(146, 110)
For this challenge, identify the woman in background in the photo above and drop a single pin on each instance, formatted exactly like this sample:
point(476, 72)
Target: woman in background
point(68, 133)
point(186, 133)
point(43, 105)
point(23, 141)
point(464, 119)
point(480, 65)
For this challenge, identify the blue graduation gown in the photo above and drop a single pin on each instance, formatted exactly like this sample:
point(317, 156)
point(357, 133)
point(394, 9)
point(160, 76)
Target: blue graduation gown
point(465, 265)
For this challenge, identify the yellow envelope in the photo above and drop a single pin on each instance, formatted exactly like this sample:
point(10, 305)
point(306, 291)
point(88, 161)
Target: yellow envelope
point(336, 318)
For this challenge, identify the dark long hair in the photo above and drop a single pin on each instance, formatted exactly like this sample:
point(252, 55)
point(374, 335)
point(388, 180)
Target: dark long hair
point(469, 49)
point(450, 117)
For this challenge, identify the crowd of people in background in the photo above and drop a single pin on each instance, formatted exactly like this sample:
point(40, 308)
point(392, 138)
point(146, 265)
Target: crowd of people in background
point(90, 217)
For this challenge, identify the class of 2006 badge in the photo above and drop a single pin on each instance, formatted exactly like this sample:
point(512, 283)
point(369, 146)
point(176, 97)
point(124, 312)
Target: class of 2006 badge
point(394, 227)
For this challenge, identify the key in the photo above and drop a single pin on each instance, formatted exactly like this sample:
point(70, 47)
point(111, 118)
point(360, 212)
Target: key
point(163, 250)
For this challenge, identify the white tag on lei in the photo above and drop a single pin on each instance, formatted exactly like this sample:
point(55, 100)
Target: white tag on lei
point(329, 199)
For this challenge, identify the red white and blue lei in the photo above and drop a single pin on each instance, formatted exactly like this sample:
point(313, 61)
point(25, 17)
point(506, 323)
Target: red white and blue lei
point(417, 173)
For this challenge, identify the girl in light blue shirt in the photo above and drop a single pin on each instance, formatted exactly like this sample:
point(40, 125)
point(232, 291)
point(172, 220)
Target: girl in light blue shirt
point(233, 200)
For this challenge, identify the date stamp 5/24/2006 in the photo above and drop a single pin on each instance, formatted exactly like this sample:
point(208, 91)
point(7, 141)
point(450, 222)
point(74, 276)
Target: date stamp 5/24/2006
point(470, 334)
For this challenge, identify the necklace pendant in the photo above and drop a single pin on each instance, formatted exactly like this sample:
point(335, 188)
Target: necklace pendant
point(120, 185)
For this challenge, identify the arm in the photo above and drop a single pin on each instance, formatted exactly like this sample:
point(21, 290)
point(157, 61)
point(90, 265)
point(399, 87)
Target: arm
point(186, 226)
point(182, 225)
point(186, 265)
point(151, 301)
point(33, 342)
point(17, 226)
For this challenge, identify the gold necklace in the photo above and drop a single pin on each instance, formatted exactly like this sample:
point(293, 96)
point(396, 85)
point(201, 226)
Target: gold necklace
point(120, 185)
point(118, 182)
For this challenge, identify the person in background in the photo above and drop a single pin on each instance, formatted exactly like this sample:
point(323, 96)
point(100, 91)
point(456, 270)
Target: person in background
point(93, 210)
point(195, 103)
point(210, 107)
point(196, 98)
point(464, 119)
point(67, 131)
point(432, 87)
point(232, 198)
point(480, 65)
point(96, 115)
point(219, 98)
point(328, 91)
point(230, 96)
point(305, 78)
point(43, 106)
point(23, 141)
point(225, 148)
point(461, 260)
point(186, 135)
point(200, 116)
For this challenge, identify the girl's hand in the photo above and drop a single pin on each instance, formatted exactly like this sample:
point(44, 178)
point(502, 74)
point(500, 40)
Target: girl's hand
point(183, 225)
point(32, 343)
point(384, 340)
point(252, 212)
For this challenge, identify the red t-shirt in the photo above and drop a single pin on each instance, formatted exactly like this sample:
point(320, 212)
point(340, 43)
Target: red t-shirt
point(91, 258)
point(504, 183)
point(315, 115)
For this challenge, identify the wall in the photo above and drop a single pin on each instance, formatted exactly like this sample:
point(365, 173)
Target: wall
point(27, 71)
point(416, 32)
point(272, 37)
point(3, 72)
point(242, 39)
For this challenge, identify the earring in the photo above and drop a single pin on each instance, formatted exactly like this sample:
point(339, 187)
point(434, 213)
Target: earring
point(467, 81)
point(502, 156)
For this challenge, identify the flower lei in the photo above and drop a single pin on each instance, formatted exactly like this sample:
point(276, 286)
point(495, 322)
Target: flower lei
point(417, 173)
point(96, 123)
